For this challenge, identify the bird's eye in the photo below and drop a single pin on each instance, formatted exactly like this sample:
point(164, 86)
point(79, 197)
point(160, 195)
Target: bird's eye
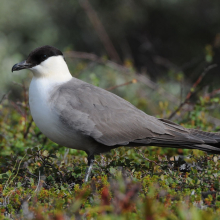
point(45, 56)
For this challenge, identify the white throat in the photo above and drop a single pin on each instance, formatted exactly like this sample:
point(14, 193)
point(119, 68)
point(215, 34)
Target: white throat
point(54, 69)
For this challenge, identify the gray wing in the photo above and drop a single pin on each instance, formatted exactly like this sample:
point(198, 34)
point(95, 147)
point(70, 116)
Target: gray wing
point(111, 120)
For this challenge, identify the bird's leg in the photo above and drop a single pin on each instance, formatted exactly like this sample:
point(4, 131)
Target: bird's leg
point(89, 168)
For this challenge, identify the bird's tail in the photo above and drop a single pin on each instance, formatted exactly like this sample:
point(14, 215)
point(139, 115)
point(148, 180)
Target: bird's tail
point(185, 138)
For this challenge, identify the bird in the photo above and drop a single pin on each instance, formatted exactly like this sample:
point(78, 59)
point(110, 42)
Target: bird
point(79, 115)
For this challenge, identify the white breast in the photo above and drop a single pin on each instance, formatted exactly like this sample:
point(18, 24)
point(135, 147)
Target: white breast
point(47, 121)
point(40, 110)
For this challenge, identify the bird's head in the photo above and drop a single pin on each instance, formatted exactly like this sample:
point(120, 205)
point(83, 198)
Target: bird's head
point(44, 61)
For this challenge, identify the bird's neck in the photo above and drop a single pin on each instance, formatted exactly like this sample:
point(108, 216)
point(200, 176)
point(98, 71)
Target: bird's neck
point(53, 69)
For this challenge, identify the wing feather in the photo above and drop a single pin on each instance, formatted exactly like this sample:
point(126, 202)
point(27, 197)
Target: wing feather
point(111, 120)
point(102, 115)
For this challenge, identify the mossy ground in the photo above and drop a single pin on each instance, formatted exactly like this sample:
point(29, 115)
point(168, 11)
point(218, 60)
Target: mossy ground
point(41, 180)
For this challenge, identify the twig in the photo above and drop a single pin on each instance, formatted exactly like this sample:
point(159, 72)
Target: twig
point(18, 169)
point(31, 173)
point(191, 92)
point(200, 79)
point(9, 195)
point(83, 55)
point(179, 107)
point(213, 93)
point(8, 182)
point(5, 96)
point(123, 84)
point(37, 186)
point(17, 108)
point(139, 152)
point(10, 176)
point(28, 128)
point(91, 13)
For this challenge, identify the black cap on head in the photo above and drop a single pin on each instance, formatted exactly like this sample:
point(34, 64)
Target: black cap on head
point(37, 56)
point(42, 53)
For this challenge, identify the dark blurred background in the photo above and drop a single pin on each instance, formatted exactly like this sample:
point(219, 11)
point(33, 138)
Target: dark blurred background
point(167, 40)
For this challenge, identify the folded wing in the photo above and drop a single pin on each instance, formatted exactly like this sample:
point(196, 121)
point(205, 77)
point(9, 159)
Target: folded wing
point(111, 120)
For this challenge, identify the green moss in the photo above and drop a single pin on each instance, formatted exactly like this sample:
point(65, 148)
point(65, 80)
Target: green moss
point(42, 179)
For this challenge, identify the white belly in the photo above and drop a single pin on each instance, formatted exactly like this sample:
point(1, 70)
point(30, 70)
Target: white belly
point(47, 121)
point(40, 110)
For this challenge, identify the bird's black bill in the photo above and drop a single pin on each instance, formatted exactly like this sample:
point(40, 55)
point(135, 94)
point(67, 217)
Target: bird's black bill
point(20, 66)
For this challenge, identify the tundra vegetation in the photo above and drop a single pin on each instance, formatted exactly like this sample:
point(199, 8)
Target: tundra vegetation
point(175, 46)
point(41, 180)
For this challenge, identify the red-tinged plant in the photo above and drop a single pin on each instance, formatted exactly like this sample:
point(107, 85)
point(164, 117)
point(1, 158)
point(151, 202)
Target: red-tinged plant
point(105, 196)
point(125, 203)
point(58, 216)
